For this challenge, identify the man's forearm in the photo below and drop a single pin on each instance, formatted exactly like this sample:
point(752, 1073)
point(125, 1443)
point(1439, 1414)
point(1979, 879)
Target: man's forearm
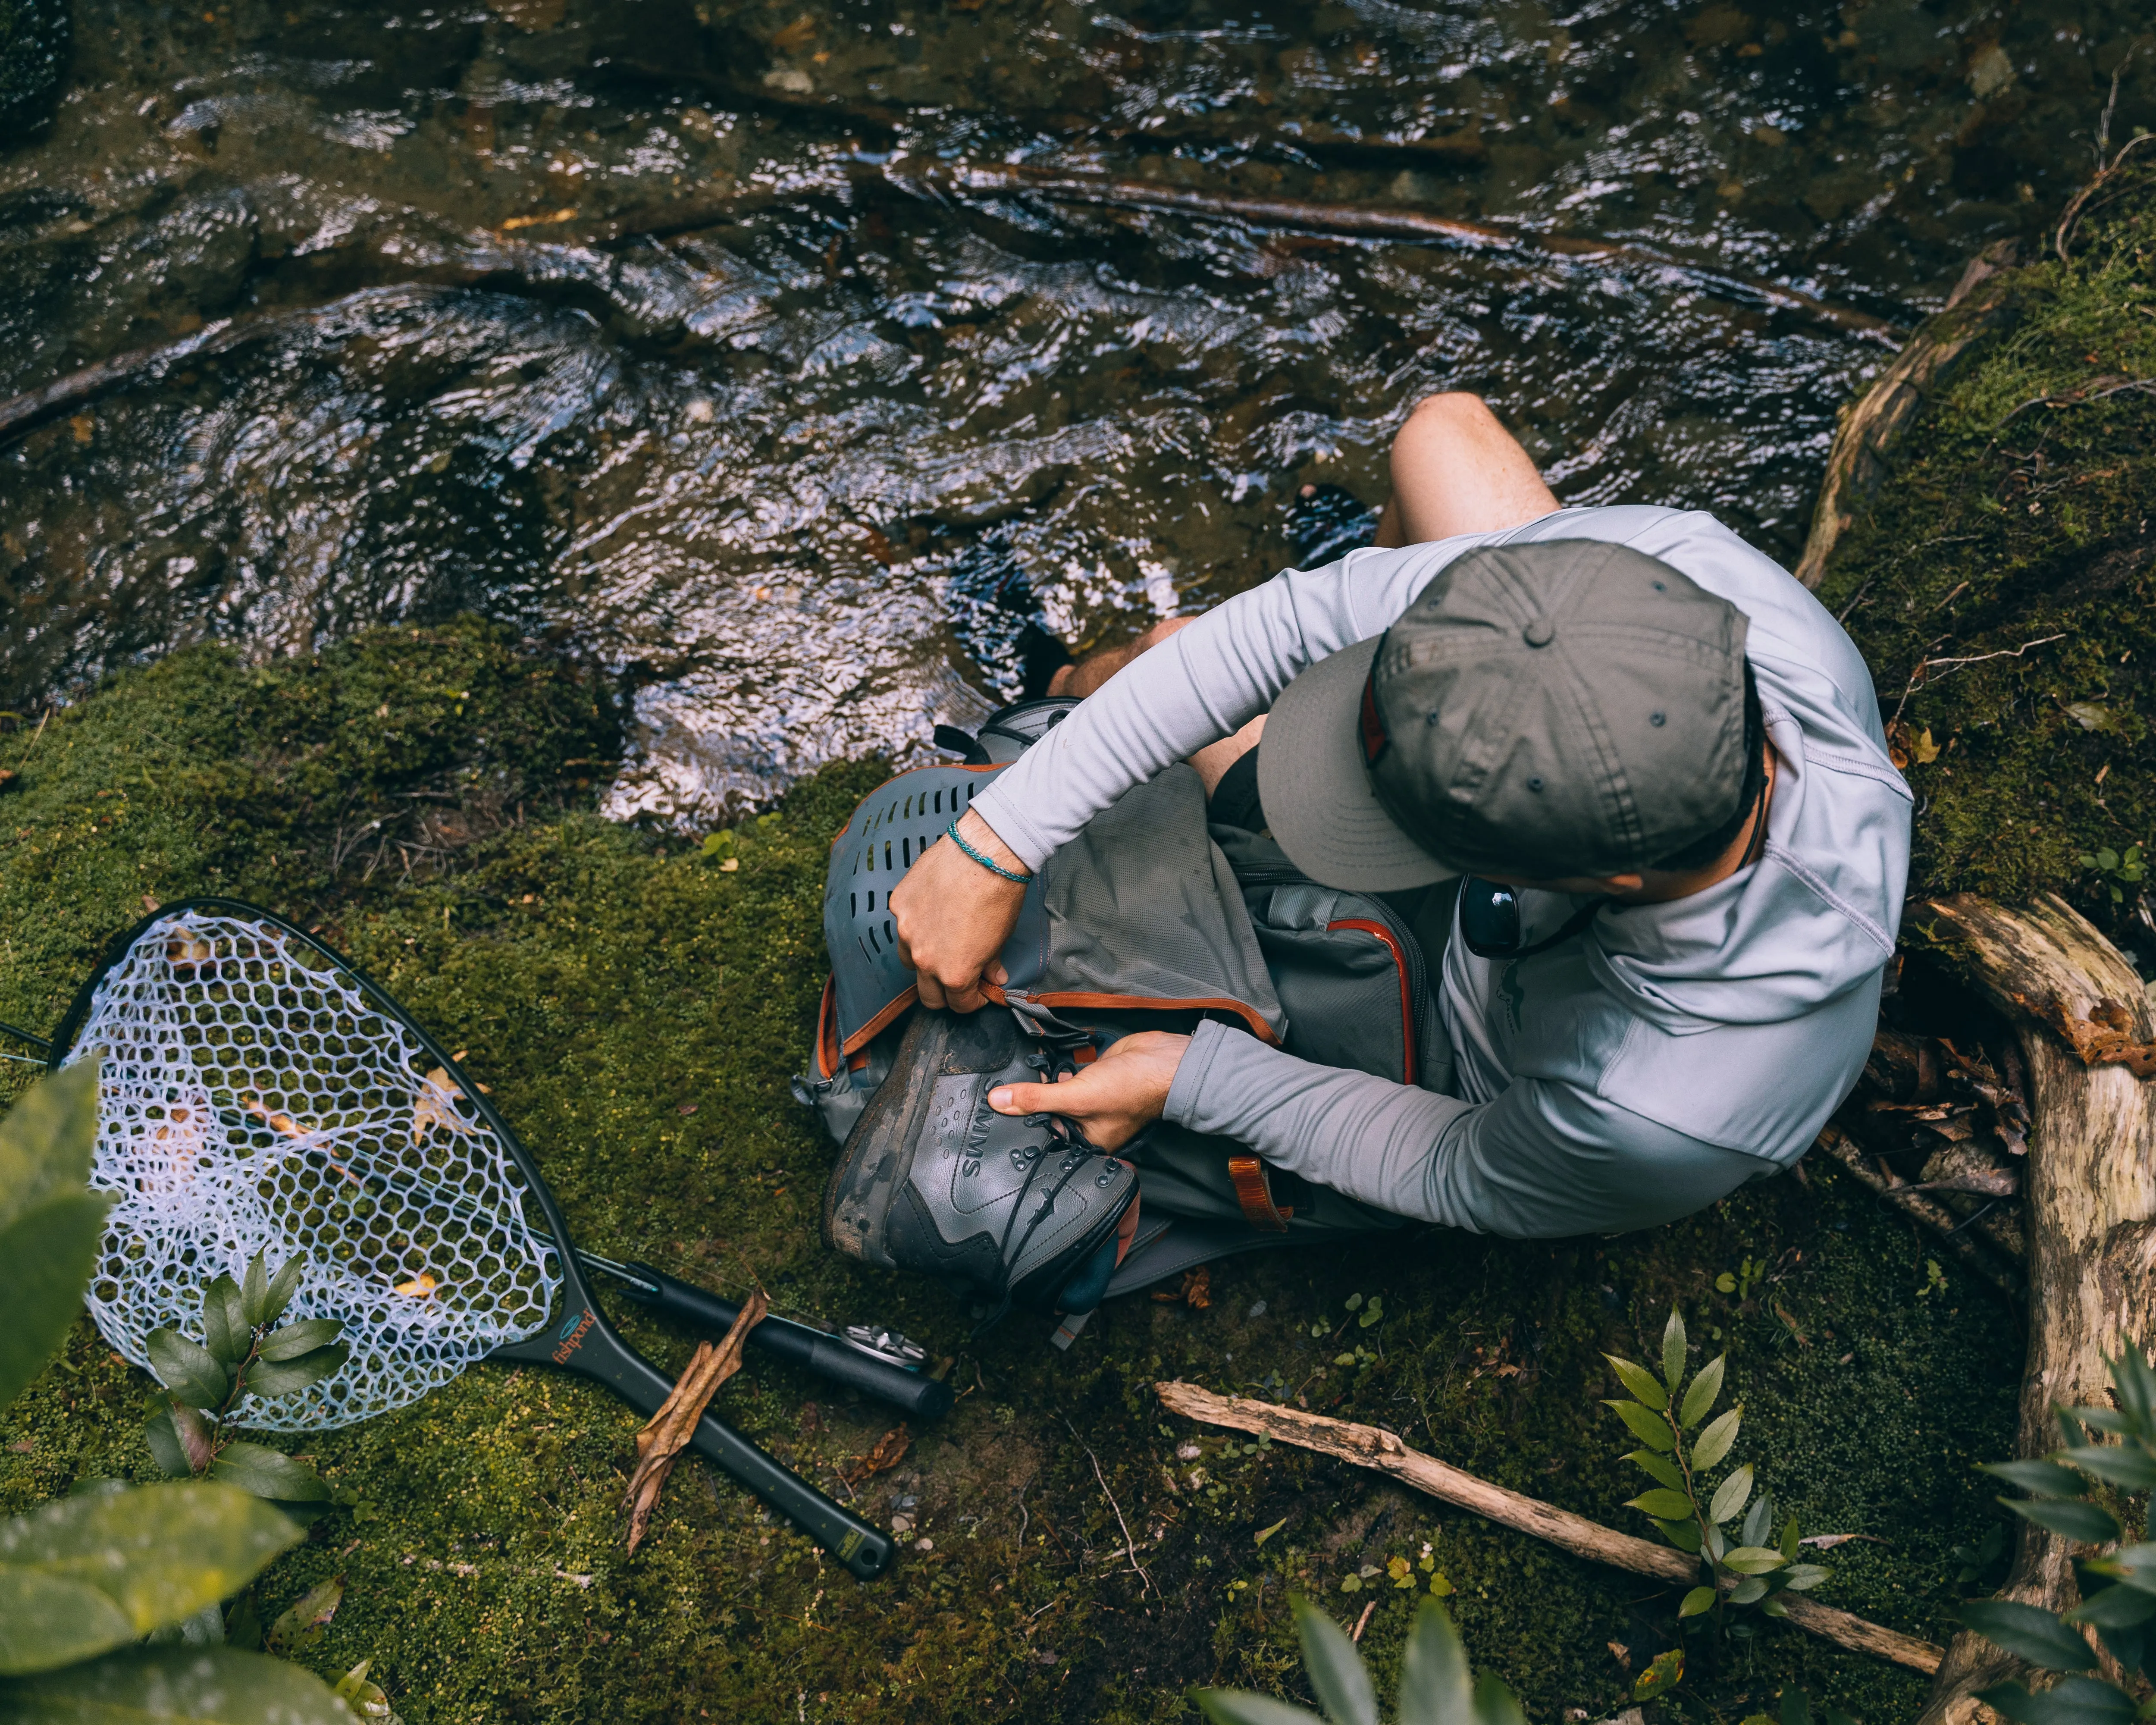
point(1543, 1160)
point(1200, 684)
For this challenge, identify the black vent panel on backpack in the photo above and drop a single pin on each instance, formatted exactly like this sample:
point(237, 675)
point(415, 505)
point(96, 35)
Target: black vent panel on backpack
point(887, 834)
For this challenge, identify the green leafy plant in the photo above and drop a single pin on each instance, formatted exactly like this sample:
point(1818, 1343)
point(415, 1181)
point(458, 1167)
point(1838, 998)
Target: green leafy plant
point(241, 1354)
point(85, 1577)
point(1978, 1555)
point(1678, 1452)
point(1435, 1687)
point(2115, 872)
point(1749, 1273)
point(2118, 1584)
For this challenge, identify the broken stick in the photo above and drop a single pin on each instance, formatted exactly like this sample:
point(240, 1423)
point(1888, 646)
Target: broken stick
point(1367, 1446)
point(674, 1424)
point(1376, 222)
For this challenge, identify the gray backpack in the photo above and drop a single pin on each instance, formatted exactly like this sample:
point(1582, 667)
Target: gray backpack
point(1150, 919)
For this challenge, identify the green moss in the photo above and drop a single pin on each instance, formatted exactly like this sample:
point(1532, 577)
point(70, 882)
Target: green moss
point(2018, 512)
point(605, 982)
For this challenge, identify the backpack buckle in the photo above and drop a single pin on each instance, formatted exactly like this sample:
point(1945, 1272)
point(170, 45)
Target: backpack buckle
point(1255, 1193)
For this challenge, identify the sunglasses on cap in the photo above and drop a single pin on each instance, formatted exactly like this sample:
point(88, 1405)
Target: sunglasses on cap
point(1490, 922)
point(1490, 913)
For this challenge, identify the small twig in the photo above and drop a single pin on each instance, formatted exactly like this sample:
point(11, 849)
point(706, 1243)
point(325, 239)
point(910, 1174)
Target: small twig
point(1362, 221)
point(1363, 1622)
point(1130, 1548)
point(2076, 398)
point(1918, 680)
point(1025, 1514)
point(2079, 207)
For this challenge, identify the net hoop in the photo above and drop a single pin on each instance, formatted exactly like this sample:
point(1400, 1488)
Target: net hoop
point(255, 1096)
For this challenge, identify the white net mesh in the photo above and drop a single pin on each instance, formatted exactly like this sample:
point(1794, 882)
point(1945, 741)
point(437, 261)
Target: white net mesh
point(253, 1099)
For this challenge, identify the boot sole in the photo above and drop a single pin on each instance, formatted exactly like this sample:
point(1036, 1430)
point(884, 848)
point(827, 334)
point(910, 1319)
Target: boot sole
point(877, 1158)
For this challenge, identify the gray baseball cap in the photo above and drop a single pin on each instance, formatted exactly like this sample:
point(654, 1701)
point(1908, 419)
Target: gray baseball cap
point(1567, 707)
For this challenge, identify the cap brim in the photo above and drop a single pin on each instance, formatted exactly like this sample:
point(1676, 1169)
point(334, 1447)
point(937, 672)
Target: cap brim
point(1317, 793)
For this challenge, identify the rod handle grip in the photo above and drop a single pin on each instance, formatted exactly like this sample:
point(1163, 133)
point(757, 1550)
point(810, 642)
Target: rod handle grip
point(912, 1393)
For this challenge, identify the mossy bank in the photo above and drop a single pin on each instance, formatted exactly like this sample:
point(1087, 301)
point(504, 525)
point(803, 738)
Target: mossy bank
point(637, 1009)
point(2000, 581)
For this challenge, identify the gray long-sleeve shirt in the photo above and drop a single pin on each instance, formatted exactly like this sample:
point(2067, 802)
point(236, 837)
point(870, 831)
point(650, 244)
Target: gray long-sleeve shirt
point(1621, 1079)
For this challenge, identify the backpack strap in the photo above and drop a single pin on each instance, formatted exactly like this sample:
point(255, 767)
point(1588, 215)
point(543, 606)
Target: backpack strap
point(1255, 1193)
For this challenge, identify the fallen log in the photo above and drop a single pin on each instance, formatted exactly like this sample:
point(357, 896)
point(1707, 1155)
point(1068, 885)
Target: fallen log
point(1856, 462)
point(2090, 1198)
point(1365, 221)
point(1367, 1446)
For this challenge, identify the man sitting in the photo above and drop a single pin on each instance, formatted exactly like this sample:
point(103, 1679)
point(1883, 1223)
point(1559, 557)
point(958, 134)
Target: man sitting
point(1663, 745)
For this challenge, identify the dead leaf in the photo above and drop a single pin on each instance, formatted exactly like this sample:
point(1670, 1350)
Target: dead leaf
point(2090, 716)
point(1622, 1654)
point(2105, 1038)
point(794, 35)
point(1904, 746)
point(1827, 1542)
point(670, 1429)
point(194, 1434)
point(889, 1451)
point(283, 1123)
point(302, 1624)
point(1198, 1286)
point(434, 1105)
point(547, 220)
point(422, 1286)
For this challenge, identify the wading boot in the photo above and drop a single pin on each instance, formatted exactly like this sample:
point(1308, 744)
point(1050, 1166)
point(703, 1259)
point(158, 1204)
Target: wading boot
point(1326, 522)
point(1009, 1209)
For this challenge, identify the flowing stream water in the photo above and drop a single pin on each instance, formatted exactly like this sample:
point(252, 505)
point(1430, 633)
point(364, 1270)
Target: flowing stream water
point(719, 342)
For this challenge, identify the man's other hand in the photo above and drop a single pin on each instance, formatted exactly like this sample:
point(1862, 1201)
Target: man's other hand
point(952, 917)
point(1113, 1100)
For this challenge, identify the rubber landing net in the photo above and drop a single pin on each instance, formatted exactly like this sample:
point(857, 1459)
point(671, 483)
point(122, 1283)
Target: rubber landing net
point(253, 1097)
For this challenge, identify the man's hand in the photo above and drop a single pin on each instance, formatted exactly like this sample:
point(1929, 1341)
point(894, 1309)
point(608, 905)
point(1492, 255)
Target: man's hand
point(952, 917)
point(1113, 1100)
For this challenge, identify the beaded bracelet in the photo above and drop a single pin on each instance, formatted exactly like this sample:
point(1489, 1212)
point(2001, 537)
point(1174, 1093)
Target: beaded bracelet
point(988, 863)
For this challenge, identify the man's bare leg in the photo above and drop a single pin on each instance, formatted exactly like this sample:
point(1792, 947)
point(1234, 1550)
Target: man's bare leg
point(1080, 679)
point(1455, 470)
